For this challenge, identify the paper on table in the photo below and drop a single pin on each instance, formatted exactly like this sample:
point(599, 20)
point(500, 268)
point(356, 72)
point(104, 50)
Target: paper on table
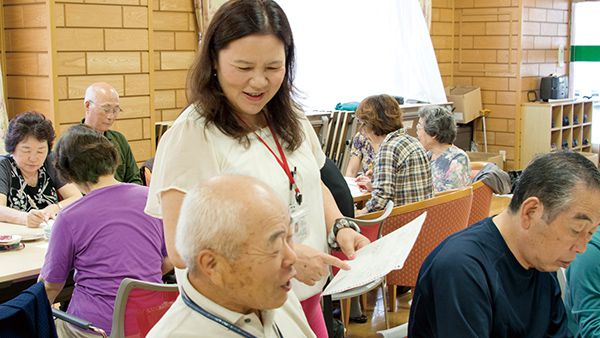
point(354, 189)
point(378, 258)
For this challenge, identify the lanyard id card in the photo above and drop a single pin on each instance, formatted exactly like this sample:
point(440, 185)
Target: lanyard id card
point(299, 225)
point(298, 215)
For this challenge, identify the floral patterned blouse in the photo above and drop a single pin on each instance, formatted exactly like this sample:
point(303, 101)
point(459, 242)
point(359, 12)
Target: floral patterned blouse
point(21, 196)
point(451, 170)
point(361, 148)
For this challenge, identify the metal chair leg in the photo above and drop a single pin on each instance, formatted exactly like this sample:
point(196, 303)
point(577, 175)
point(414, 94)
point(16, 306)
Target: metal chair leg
point(385, 306)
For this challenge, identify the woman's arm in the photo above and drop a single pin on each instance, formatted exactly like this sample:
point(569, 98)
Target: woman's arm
point(353, 166)
point(11, 215)
point(348, 239)
point(70, 194)
point(170, 202)
point(166, 266)
point(52, 289)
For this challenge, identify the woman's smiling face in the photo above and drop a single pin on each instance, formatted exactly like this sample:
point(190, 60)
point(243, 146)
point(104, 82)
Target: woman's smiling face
point(250, 71)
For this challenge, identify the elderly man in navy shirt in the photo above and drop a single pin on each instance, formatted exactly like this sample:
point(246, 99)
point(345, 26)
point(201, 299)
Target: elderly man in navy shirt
point(496, 278)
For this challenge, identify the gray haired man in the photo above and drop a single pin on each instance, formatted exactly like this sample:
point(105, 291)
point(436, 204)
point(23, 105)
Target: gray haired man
point(234, 235)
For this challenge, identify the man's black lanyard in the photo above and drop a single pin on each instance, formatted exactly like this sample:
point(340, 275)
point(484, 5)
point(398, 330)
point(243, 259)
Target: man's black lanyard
point(229, 326)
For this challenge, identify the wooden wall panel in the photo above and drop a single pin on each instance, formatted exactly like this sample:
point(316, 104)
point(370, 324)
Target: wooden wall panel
point(175, 36)
point(547, 30)
point(86, 15)
point(82, 39)
point(26, 37)
point(68, 63)
point(78, 84)
point(137, 84)
point(126, 39)
point(16, 106)
point(106, 41)
point(54, 49)
point(113, 62)
point(477, 43)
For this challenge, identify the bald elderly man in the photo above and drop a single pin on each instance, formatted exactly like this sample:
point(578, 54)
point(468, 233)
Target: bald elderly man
point(101, 110)
point(235, 238)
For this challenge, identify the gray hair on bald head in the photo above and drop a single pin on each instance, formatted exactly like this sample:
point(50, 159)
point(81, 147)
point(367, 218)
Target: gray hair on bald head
point(207, 221)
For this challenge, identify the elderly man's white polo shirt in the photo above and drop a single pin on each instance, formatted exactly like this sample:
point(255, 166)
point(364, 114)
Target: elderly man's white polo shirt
point(181, 321)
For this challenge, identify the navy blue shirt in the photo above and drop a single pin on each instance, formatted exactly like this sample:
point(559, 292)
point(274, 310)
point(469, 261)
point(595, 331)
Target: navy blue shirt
point(471, 285)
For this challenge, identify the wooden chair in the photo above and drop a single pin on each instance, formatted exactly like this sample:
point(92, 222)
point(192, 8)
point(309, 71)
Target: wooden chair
point(336, 136)
point(370, 226)
point(446, 214)
point(482, 202)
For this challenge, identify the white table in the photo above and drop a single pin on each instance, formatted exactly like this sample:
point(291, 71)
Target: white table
point(25, 263)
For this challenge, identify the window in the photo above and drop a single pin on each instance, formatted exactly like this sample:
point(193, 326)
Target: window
point(585, 57)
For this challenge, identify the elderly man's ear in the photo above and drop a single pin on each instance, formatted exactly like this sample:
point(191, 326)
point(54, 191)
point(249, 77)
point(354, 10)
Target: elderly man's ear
point(531, 211)
point(210, 264)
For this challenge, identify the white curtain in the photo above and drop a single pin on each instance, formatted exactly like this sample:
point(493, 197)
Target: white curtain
point(349, 49)
point(3, 113)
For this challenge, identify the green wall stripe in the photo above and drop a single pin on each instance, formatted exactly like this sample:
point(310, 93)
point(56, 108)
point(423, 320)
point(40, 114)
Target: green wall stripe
point(585, 53)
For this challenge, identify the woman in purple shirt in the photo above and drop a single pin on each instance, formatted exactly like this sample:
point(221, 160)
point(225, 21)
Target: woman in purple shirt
point(105, 236)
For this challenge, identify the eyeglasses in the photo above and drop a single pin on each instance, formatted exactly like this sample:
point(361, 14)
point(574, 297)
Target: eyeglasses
point(107, 109)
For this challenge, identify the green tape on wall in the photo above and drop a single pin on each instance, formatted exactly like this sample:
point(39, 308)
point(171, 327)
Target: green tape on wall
point(585, 53)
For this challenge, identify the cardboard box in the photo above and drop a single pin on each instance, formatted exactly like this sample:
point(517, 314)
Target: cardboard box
point(591, 156)
point(486, 157)
point(467, 102)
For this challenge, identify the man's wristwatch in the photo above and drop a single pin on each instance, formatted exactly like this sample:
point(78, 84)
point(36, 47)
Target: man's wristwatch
point(339, 224)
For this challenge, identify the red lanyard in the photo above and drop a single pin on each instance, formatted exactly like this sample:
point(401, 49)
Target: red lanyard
point(283, 163)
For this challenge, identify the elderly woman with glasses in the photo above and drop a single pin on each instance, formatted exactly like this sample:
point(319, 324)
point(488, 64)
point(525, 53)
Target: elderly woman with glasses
point(450, 166)
point(30, 190)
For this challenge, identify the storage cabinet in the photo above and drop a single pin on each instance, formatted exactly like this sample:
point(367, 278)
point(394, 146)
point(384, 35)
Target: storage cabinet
point(553, 126)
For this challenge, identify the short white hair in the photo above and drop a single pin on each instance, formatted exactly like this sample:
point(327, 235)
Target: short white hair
point(207, 220)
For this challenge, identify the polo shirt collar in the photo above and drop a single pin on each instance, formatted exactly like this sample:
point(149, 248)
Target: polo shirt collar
point(244, 321)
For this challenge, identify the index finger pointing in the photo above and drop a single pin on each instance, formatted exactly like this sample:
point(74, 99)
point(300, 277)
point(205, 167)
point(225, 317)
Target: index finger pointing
point(334, 261)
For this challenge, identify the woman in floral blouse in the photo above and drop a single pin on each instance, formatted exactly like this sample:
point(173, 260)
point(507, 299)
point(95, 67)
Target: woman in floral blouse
point(436, 130)
point(361, 157)
point(29, 186)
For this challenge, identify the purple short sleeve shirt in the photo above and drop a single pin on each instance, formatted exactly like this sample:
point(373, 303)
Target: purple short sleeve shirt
point(104, 237)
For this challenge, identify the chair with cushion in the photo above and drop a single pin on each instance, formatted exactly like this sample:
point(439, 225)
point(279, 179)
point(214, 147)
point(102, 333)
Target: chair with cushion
point(446, 214)
point(138, 306)
point(370, 226)
point(482, 202)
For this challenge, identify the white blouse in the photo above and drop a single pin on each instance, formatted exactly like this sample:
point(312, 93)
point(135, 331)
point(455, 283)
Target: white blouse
point(189, 153)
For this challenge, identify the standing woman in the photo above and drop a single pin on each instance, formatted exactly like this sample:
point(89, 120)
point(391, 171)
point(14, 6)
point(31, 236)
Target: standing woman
point(30, 189)
point(244, 120)
point(436, 130)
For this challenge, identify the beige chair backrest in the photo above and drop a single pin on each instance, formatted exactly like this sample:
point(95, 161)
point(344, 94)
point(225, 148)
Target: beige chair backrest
point(446, 214)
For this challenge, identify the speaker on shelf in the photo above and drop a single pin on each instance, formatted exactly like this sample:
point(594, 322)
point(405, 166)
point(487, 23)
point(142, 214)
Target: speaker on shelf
point(554, 87)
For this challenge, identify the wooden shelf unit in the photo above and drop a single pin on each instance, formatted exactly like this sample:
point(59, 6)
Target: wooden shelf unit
point(554, 126)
